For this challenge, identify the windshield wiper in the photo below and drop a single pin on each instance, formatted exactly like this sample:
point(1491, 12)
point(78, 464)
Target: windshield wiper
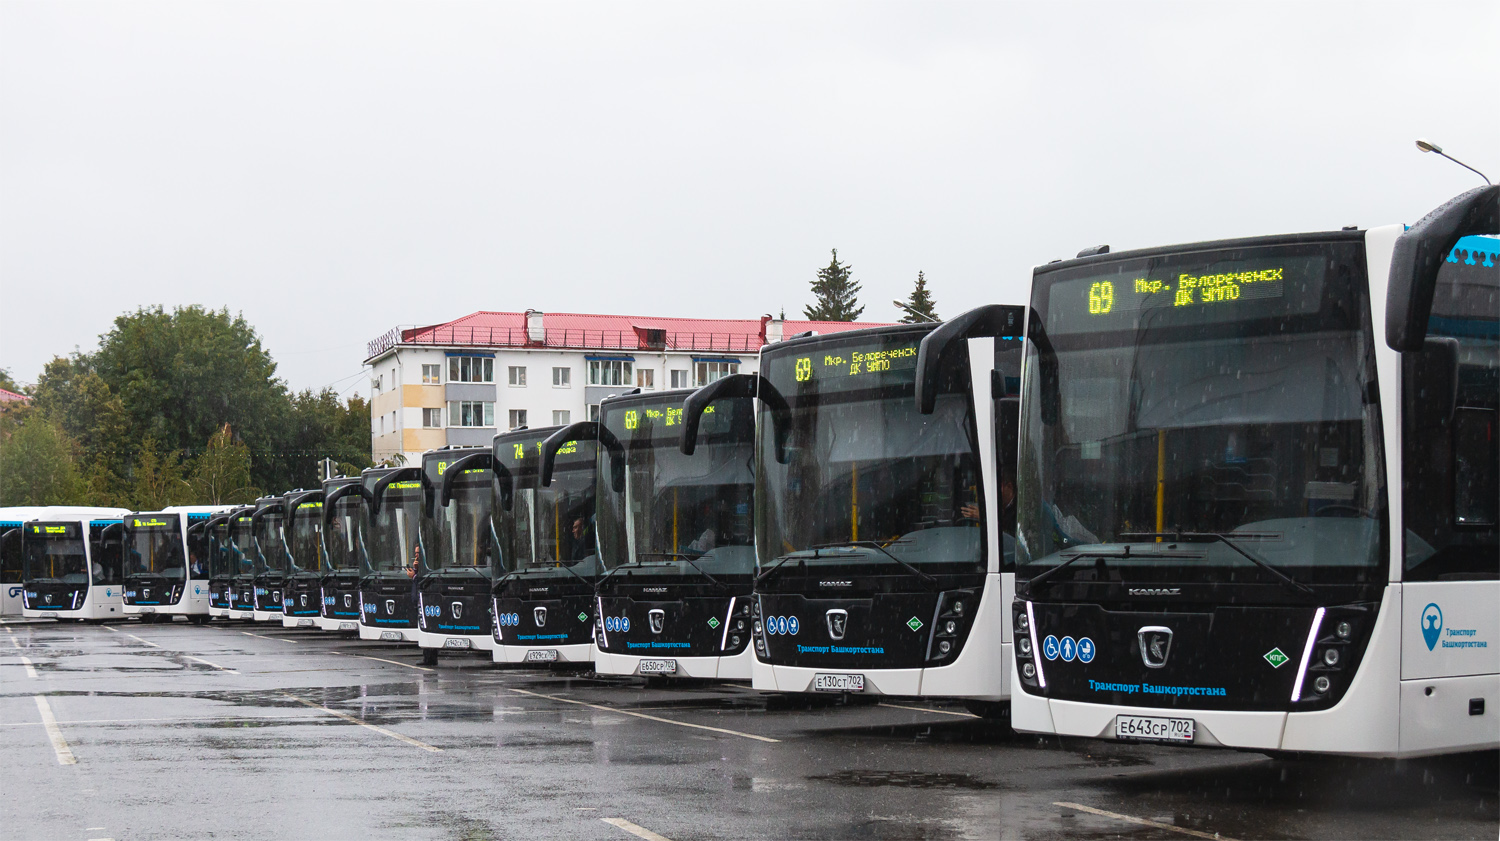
point(1098, 555)
point(1200, 536)
point(926, 577)
point(689, 558)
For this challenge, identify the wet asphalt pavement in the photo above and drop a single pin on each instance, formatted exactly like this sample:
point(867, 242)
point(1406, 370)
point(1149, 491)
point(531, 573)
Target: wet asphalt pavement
point(243, 731)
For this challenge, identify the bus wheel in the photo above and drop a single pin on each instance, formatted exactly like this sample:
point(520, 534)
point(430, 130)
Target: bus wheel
point(198, 618)
point(429, 656)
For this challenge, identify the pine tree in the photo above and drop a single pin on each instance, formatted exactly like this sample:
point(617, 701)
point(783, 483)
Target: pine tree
point(221, 476)
point(837, 293)
point(920, 303)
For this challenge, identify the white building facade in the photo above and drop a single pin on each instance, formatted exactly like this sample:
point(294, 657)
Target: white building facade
point(461, 382)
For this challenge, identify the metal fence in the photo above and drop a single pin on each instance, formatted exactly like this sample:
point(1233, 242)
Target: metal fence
point(640, 339)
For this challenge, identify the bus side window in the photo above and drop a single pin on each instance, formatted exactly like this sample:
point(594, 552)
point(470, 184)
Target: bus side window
point(1450, 403)
point(108, 557)
point(10, 556)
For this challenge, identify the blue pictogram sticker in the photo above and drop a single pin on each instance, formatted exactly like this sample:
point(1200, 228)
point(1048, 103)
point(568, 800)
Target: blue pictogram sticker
point(1069, 649)
point(1049, 647)
point(1085, 650)
point(791, 625)
point(1432, 624)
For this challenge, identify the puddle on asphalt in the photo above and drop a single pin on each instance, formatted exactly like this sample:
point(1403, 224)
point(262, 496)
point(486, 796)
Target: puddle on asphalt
point(905, 779)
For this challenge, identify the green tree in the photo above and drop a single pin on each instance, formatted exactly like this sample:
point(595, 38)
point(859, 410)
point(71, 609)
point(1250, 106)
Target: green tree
point(73, 396)
point(157, 479)
point(919, 306)
point(37, 465)
point(8, 382)
point(221, 475)
point(836, 293)
point(321, 426)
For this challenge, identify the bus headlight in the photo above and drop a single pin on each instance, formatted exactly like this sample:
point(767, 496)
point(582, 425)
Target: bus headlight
point(1343, 630)
point(1029, 671)
point(944, 647)
point(1321, 684)
point(1023, 625)
point(1330, 657)
point(1024, 644)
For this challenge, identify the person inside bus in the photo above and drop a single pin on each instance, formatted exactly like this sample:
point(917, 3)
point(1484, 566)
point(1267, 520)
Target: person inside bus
point(582, 547)
point(709, 538)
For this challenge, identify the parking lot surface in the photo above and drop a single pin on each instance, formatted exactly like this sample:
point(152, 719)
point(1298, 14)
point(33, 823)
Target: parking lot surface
point(243, 731)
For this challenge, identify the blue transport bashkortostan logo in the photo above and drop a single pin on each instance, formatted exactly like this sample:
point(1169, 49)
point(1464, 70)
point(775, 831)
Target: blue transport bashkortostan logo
point(1432, 624)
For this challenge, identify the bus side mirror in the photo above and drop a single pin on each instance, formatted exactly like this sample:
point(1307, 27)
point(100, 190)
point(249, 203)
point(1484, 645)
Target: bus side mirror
point(1418, 255)
point(734, 385)
point(480, 460)
point(949, 336)
point(504, 485)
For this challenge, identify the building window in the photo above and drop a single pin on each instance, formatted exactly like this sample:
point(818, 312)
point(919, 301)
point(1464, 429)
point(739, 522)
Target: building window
point(561, 417)
point(382, 424)
point(471, 369)
point(679, 378)
point(375, 385)
point(594, 412)
point(517, 418)
point(432, 418)
point(645, 378)
point(609, 372)
point(432, 374)
point(562, 377)
point(518, 375)
point(706, 372)
point(470, 413)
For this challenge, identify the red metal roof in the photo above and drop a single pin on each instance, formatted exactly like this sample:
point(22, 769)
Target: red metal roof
point(587, 331)
point(7, 396)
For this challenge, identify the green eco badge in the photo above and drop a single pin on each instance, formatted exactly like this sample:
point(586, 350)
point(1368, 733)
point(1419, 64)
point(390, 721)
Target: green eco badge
point(583, 617)
point(914, 623)
point(713, 622)
point(1276, 658)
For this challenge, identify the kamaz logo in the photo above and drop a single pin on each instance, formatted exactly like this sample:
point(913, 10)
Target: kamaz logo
point(654, 590)
point(835, 583)
point(1154, 591)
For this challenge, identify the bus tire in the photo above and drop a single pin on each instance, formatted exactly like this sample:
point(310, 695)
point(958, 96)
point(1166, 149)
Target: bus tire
point(429, 656)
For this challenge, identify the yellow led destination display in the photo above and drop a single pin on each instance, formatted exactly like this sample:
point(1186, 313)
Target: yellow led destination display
point(660, 422)
point(151, 524)
point(1222, 291)
point(872, 362)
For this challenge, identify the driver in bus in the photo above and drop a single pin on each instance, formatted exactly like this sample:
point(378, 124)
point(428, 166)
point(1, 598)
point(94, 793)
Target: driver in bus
point(709, 538)
point(583, 538)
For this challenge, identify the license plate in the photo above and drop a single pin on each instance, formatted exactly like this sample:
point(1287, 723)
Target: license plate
point(839, 683)
point(658, 667)
point(456, 642)
point(544, 655)
point(1154, 729)
point(304, 623)
point(348, 626)
point(392, 636)
point(146, 610)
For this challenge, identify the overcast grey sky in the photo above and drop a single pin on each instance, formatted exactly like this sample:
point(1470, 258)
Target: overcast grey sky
point(334, 169)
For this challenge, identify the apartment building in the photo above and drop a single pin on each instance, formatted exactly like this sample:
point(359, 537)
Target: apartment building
point(462, 381)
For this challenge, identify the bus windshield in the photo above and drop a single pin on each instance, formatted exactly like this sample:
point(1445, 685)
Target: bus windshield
point(677, 513)
point(551, 526)
point(393, 544)
point(306, 539)
point(849, 471)
point(241, 546)
point(344, 540)
point(1225, 395)
point(153, 546)
point(55, 552)
point(270, 543)
point(459, 535)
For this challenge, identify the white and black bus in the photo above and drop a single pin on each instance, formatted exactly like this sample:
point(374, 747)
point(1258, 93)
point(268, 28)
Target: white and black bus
point(548, 557)
point(306, 564)
point(231, 574)
point(1257, 490)
point(268, 557)
point(167, 563)
point(345, 501)
point(458, 552)
point(11, 520)
point(882, 510)
point(70, 565)
point(676, 532)
point(387, 576)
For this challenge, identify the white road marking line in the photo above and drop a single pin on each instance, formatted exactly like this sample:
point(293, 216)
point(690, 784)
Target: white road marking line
point(352, 720)
point(635, 829)
point(926, 710)
point(138, 639)
point(172, 719)
point(381, 660)
point(1211, 836)
point(602, 708)
point(92, 828)
point(59, 744)
point(207, 663)
point(30, 669)
point(112, 630)
point(278, 639)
